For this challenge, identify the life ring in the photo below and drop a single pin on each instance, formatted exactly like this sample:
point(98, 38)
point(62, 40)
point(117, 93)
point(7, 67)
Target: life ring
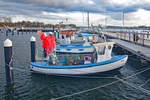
point(86, 58)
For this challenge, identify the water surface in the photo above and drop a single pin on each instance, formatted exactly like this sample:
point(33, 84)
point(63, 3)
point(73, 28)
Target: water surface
point(28, 86)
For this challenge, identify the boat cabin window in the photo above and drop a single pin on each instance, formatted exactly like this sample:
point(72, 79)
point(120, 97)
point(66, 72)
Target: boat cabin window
point(109, 47)
point(81, 49)
point(80, 35)
point(101, 50)
point(67, 36)
point(61, 57)
point(69, 49)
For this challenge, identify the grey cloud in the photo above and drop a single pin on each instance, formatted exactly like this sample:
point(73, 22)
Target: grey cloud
point(53, 3)
point(34, 8)
point(15, 9)
point(77, 5)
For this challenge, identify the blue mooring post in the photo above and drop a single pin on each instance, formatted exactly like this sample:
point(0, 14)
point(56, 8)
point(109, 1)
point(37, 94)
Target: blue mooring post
point(33, 48)
point(8, 61)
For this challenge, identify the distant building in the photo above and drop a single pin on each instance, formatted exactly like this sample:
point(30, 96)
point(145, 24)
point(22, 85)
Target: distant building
point(5, 19)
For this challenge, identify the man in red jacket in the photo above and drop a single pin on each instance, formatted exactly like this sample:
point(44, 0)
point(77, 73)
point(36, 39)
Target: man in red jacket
point(48, 41)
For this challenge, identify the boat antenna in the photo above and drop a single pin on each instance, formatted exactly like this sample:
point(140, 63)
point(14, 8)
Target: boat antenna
point(83, 15)
point(88, 19)
point(123, 19)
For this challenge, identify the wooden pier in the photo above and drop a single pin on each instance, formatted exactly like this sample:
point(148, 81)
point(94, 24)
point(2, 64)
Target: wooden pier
point(143, 52)
point(125, 40)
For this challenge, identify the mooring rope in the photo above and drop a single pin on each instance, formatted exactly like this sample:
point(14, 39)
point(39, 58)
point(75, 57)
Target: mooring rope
point(19, 69)
point(89, 77)
point(144, 83)
point(88, 90)
point(9, 64)
point(137, 73)
point(14, 68)
point(136, 87)
point(131, 55)
point(18, 60)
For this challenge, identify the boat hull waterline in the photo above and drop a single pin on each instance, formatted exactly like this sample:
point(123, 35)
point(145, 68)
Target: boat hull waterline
point(104, 66)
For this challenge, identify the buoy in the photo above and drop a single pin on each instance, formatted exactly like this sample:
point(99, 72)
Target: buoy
point(39, 32)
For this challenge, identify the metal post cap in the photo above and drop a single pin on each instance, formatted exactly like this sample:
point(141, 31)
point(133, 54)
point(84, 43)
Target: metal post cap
point(7, 43)
point(32, 38)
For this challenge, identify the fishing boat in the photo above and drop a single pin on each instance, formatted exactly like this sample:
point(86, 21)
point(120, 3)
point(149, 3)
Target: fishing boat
point(94, 38)
point(101, 61)
point(80, 43)
point(65, 36)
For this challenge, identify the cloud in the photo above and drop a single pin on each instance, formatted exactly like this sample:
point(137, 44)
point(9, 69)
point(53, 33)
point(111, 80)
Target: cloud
point(141, 17)
point(53, 11)
point(89, 5)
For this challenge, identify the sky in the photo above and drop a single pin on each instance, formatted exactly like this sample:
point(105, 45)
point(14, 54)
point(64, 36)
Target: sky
point(104, 12)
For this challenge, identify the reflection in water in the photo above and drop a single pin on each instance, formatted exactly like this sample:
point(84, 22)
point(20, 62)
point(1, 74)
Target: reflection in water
point(9, 92)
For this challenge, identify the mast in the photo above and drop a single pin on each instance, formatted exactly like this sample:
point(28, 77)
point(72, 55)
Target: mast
point(105, 21)
point(123, 19)
point(88, 19)
point(83, 16)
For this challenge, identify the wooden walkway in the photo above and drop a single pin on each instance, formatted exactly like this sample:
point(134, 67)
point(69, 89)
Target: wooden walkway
point(144, 39)
point(139, 50)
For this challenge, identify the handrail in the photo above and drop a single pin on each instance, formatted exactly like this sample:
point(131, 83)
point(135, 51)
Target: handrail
point(138, 38)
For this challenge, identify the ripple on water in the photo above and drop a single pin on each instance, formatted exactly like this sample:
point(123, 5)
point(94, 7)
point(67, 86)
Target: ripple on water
point(29, 86)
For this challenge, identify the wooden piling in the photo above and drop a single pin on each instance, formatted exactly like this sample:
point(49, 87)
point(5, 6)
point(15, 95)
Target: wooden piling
point(121, 35)
point(129, 36)
point(143, 39)
point(124, 35)
point(135, 38)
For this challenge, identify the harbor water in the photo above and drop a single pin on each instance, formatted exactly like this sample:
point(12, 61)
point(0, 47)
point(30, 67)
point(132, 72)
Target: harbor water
point(29, 86)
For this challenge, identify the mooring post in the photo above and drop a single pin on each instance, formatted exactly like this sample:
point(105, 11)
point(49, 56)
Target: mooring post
point(33, 48)
point(124, 35)
point(121, 35)
point(12, 32)
point(22, 31)
point(135, 38)
point(129, 36)
point(53, 28)
point(8, 61)
point(17, 33)
point(143, 39)
point(6, 33)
